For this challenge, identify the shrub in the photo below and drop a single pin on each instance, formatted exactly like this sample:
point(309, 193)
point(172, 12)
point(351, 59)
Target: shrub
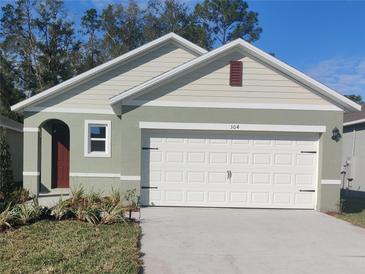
point(20, 195)
point(62, 210)
point(6, 218)
point(77, 193)
point(114, 197)
point(131, 197)
point(93, 198)
point(88, 214)
point(26, 213)
point(112, 214)
point(7, 183)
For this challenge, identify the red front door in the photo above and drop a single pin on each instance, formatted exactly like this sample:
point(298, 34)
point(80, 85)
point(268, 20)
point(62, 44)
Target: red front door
point(60, 156)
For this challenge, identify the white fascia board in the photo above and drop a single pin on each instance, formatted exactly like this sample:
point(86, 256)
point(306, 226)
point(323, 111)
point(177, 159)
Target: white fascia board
point(354, 122)
point(233, 127)
point(70, 110)
point(251, 50)
point(92, 72)
point(190, 104)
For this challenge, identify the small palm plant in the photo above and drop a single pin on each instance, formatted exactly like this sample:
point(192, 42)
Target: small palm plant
point(88, 214)
point(114, 197)
point(77, 193)
point(93, 198)
point(26, 213)
point(112, 214)
point(61, 210)
point(7, 216)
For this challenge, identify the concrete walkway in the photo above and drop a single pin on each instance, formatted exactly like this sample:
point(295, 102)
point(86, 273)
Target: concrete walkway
point(211, 240)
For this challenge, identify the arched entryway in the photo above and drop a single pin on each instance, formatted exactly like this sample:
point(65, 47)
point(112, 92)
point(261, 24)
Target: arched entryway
point(55, 151)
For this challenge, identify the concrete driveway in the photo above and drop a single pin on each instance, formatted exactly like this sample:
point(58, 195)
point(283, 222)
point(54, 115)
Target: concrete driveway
point(212, 240)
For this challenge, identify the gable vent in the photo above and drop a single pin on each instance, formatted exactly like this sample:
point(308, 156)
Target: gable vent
point(235, 74)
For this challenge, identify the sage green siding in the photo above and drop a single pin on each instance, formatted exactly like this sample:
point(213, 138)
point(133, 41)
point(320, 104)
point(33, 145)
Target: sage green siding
point(126, 142)
point(15, 141)
point(354, 153)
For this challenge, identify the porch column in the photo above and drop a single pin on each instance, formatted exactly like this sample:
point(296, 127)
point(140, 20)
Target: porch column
point(31, 170)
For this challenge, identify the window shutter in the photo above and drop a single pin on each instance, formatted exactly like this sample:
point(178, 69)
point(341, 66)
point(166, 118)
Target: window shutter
point(235, 74)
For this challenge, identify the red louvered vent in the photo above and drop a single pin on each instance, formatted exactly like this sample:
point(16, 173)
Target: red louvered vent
point(235, 74)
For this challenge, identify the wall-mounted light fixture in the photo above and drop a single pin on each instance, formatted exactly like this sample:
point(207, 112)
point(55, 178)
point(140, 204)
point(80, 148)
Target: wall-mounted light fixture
point(336, 135)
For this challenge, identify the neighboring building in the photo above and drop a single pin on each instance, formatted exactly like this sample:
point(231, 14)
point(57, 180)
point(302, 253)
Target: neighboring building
point(233, 127)
point(14, 134)
point(353, 155)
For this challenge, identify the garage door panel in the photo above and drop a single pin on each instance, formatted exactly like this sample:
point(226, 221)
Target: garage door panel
point(229, 169)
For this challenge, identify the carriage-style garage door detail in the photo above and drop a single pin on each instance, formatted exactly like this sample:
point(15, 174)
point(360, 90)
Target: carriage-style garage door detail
point(229, 169)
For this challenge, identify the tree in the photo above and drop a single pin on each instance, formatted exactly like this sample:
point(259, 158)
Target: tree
point(355, 98)
point(132, 28)
point(227, 20)
point(123, 28)
point(7, 184)
point(18, 44)
point(58, 47)
point(162, 17)
point(91, 24)
point(9, 94)
point(111, 24)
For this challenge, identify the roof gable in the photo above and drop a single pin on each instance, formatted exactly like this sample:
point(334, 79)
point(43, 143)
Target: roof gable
point(210, 84)
point(253, 52)
point(106, 66)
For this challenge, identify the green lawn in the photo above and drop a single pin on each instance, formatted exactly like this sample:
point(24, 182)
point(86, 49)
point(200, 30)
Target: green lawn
point(354, 218)
point(71, 247)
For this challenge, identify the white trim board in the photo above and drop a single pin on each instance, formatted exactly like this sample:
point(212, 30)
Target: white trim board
point(31, 173)
point(11, 128)
point(92, 72)
point(330, 182)
point(108, 138)
point(95, 175)
point(130, 178)
point(354, 122)
point(252, 51)
point(233, 127)
point(188, 104)
point(106, 175)
point(30, 129)
point(70, 110)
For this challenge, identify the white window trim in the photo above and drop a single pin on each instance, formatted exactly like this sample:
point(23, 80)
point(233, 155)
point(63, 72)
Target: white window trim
point(108, 135)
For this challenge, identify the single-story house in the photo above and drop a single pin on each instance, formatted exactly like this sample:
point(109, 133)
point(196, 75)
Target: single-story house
point(353, 155)
point(232, 127)
point(14, 137)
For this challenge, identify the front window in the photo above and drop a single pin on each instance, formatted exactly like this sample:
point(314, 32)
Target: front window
point(97, 138)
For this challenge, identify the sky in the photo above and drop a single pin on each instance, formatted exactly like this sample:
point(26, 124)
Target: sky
point(324, 39)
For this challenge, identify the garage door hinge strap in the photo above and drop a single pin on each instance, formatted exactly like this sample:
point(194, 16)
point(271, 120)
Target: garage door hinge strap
point(306, 151)
point(307, 190)
point(149, 148)
point(149, 187)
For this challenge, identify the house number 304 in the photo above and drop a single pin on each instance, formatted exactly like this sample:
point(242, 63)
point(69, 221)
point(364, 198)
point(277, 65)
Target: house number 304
point(235, 126)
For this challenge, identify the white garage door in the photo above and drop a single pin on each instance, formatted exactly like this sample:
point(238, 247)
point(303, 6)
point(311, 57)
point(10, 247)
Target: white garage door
point(220, 169)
